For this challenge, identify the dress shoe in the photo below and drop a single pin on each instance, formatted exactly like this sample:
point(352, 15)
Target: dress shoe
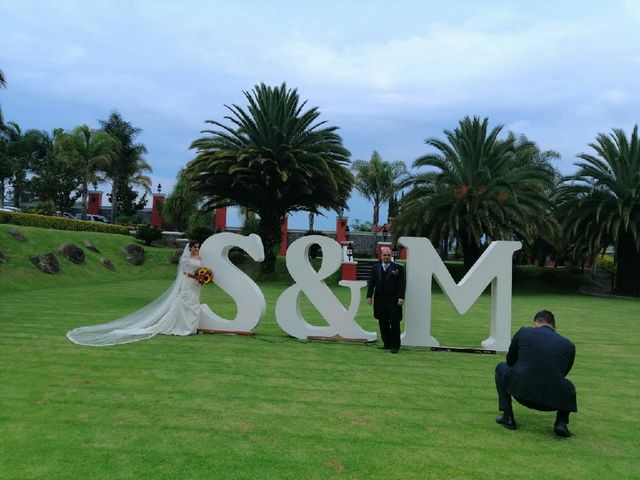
point(507, 422)
point(395, 350)
point(561, 430)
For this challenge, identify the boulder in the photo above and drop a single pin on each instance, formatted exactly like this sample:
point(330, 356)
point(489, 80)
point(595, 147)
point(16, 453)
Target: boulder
point(46, 262)
point(134, 253)
point(175, 256)
point(17, 234)
point(90, 246)
point(72, 253)
point(108, 264)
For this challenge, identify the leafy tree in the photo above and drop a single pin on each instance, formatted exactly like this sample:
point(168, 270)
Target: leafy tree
point(16, 159)
point(5, 166)
point(358, 226)
point(55, 177)
point(480, 191)
point(20, 153)
point(91, 151)
point(3, 83)
point(181, 203)
point(128, 168)
point(378, 181)
point(273, 158)
point(600, 204)
point(127, 202)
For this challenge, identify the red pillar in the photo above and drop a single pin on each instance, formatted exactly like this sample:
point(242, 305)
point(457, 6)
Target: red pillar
point(284, 227)
point(220, 220)
point(349, 271)
point(95, 203)
point(156, 219)
point(341, 229)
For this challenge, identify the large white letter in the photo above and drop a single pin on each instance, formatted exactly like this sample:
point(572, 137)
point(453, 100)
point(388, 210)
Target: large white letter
point(494, 267)
point(250, 302)
point(341, 321)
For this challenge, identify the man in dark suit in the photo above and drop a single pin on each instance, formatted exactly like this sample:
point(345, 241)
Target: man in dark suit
point(385, 290)
point(534, 374)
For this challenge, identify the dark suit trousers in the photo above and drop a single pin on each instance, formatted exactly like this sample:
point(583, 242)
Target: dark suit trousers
point(504, 398)
point(389, 315)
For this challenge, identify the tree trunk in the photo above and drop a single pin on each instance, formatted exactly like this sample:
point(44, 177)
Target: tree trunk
point(270, 233)
point(376, 216)
point(85, 200)
point(470, 250)
point(627, 266)
point(114, 202)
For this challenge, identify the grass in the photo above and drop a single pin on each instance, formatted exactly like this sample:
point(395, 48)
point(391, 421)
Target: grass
point(269, 407)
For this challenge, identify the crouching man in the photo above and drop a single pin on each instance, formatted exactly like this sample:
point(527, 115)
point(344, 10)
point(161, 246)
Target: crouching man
point(534, 374)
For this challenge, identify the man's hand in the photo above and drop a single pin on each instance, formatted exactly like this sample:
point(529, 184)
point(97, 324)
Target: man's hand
point(369, 300)
point(400, 302)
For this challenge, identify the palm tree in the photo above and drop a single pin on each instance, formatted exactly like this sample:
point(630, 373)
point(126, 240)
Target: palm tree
point(480, 191)
point(274, 158)
point(600, 204)
point(378, 181)
point(92, 151)
point(128, 168)
point(547, 237)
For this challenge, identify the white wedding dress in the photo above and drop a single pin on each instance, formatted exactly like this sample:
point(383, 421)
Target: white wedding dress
point(175, 312)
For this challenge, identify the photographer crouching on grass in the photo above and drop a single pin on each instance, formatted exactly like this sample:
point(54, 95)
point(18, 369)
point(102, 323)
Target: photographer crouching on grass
point(534, 374)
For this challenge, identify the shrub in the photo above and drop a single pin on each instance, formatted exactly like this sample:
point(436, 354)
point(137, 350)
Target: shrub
point(60, 223)
point(606, 263)
point(148, 234)
point(199, 233)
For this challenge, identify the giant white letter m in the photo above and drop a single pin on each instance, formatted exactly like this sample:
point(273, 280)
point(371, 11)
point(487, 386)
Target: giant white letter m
point(493, 267)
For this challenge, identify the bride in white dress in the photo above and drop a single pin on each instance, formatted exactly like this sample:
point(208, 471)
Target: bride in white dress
point(175, 312)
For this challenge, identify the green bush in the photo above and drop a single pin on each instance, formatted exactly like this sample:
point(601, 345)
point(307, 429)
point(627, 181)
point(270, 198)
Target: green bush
point(60, 223)
point(148, 234)
point(606, 263)
point(199, 233)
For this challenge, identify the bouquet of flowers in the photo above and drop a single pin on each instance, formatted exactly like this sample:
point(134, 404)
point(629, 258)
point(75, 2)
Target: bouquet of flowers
point(204, 275)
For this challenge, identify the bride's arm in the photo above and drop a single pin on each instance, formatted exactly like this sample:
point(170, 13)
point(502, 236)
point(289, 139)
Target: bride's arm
point(186, 268)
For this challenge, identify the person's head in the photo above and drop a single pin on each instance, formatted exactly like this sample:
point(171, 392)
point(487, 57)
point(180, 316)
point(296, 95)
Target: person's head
point(544, 318)
point(385, 253)
point(194, 246)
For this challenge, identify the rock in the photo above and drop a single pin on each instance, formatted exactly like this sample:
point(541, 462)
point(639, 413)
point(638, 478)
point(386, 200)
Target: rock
point(46, 262)
point(108, 264)
point(134, 253)
point(72, 253)
point(3, 257)
point(90, 246)
point(175, 256)
point(17, 234)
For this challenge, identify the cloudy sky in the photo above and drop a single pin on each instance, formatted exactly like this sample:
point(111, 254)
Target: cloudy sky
point(389, 74)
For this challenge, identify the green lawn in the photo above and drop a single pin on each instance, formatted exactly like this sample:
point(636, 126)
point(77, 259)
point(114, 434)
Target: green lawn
point(270, 407)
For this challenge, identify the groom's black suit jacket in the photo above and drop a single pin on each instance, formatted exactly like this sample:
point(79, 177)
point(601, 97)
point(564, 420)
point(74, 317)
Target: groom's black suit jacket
point(540, 359)
point(386, 288)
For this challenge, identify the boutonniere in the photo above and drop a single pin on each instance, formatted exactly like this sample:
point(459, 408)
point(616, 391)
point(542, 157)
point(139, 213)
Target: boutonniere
point(395, 272)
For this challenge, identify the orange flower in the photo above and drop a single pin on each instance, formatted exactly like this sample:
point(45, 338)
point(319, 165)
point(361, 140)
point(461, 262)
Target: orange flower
point(461, 191)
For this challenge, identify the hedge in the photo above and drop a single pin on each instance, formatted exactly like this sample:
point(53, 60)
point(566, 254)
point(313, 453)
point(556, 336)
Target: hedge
point(60, 223)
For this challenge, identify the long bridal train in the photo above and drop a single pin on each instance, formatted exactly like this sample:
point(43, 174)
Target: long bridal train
point(175, 312)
